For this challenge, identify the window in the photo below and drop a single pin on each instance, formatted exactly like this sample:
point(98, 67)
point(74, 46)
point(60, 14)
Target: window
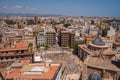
point(22, 56)
point(11, 57)
point(1, 62)
point(17, 51)
point(1, 58)
point(22, 51)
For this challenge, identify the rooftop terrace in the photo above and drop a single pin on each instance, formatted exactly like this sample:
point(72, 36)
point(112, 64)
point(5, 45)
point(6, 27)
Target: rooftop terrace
point(27, 70)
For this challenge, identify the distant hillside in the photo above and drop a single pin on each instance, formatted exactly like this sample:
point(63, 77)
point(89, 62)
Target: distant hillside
point(27, 14)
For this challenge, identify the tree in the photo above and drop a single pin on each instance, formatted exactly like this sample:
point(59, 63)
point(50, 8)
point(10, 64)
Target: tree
point(30, 47)
point(30, 44)
point(30, 22)
point(65, 45)
point(38, 45)
point(39, 22)
point(75, 47)
point(66, 25)
point(10, 22)
point(62, 21)
point(35, 33)
point(46, 47)
point(24, 22)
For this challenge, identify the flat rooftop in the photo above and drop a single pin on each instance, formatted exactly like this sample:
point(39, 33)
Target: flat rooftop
point(21, 45)
point(33, 70)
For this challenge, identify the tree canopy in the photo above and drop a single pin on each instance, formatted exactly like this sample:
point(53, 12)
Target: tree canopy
point(75, 47)
point(10, 22)
point(46, 47)
point(66, 25)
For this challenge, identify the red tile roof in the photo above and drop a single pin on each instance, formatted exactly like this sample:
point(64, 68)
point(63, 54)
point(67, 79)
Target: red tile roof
point(100, 63)
point(17, 72)
point(22, 45)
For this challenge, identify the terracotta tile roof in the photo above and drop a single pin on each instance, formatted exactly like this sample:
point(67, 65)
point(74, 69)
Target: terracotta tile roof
point(25, 61)
point(109, 52)
point(100, 63)
point(17, 72)
point(22, 45)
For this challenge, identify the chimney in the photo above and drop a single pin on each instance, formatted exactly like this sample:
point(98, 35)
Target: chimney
point(10, 70)
point(13, 43)
point(48, 65)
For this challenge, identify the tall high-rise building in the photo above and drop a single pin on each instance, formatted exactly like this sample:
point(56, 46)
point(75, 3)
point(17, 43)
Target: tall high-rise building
point(13, 50)
point(66, 39)
point(41, 39)
point(51, 37)
point(72, 39)
point(104, 32)
point(114, 25)
point(36, 19)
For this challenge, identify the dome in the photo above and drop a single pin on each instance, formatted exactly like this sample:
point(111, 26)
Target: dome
point(98, 41)
point(94, 76)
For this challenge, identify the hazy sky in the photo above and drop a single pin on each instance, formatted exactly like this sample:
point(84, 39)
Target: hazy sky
point(63, 7)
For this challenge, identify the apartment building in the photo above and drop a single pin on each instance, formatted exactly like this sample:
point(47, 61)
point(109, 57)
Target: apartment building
point(116, 43)
point(66, 38)
point(12, 50)
point(41, 39)
point(24, 69)
point(51, 37)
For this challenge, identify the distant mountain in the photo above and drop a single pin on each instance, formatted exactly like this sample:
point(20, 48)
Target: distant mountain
point(27, 14)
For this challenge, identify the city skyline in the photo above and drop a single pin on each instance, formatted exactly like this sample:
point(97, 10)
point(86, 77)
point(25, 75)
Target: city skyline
point(108, 8)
